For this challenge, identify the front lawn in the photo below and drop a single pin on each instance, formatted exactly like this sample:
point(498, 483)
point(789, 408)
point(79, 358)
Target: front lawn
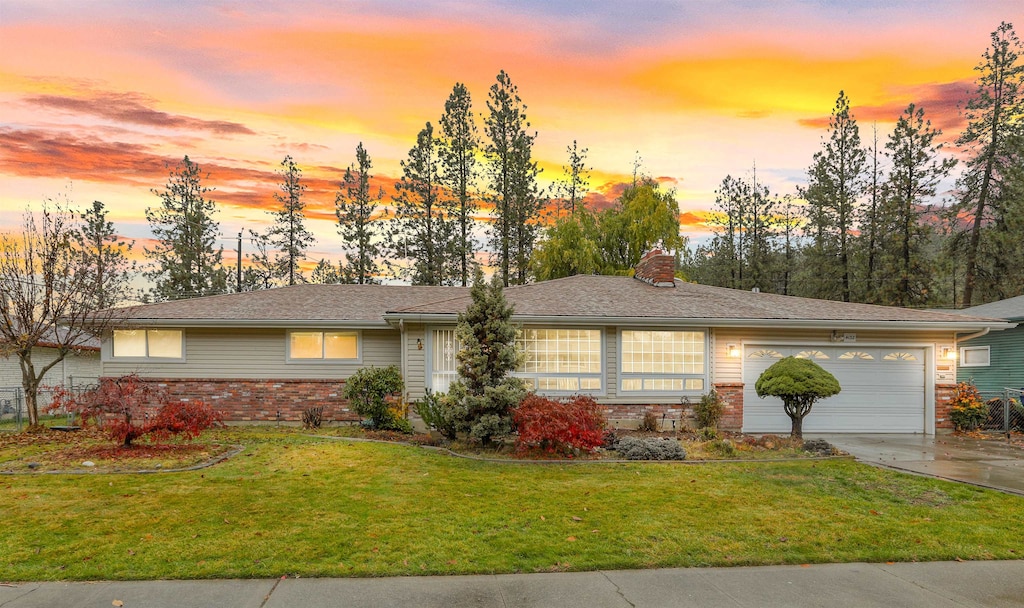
point(290, 504)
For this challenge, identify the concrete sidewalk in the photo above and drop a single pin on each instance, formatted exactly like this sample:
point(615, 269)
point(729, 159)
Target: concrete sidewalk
point(927, 585)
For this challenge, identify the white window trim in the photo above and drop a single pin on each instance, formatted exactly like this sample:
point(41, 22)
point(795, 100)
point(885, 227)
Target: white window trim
point(706, 376)
point(428, 356)
point(963, 359)
point(322, 361)
point(107, 350)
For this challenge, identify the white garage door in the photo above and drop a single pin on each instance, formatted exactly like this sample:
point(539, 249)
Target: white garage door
point(883, 390)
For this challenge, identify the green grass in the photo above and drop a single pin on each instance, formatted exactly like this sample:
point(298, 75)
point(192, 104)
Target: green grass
point(294, 505)
point(10, 423)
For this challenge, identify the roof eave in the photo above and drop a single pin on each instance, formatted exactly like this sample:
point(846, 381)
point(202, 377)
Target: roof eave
point(261, 323)
point(428, 318)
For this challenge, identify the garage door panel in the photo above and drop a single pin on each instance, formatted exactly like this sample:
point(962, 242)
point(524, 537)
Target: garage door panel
point(882, 390)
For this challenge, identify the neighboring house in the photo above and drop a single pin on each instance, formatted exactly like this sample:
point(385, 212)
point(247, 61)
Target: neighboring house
point(650, 343)
point(80, 367)
point(994, 361)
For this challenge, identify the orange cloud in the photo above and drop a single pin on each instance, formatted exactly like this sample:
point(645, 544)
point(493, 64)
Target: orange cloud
point(941, 103)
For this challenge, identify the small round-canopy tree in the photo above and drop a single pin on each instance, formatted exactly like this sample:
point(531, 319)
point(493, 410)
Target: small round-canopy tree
point(799, 383)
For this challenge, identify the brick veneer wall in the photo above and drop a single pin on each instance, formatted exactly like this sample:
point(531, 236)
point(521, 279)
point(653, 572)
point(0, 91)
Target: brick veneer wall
point(944, 394)
point(245, 400)
point(731, 396)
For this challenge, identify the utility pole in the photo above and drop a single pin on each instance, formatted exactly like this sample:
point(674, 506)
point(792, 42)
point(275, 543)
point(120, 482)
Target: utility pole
point(238, 269)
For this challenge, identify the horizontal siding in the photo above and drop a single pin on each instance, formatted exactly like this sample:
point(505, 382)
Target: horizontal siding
point(258, 354)
point(611, 363)
point(415, 361)
point(1006, 367)
point(83, 365)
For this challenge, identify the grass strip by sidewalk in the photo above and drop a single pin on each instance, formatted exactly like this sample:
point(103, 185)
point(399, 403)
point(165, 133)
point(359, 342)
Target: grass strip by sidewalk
point(297, 505)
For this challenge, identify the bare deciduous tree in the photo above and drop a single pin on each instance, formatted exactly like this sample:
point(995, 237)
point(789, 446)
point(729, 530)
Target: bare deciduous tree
point(46, 295)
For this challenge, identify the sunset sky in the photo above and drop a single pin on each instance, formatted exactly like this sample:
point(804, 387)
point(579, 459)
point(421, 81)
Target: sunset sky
point(100, 99)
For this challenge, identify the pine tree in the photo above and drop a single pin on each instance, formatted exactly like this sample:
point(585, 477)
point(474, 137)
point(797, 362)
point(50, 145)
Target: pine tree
point(459, 142)
point(355, 206)
point(104, 254)
point(573, 187)
point(485, 393)
point(916, 171)
point(325, 273)
point(513, 177)
point(288, 233)
point(835, 184)
point(871, 223)
point(994, 117)
point(745, 227)
point(424, 224)
point(186, 264)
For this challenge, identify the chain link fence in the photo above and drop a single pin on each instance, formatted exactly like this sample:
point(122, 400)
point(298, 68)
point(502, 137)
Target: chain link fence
point(14, 408)
point(1005, 410)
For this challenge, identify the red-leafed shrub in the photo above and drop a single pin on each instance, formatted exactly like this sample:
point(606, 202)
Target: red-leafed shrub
point(558, 426)
point(129, 409)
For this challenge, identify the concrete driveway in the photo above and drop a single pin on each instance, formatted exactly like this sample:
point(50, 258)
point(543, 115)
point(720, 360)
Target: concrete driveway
point(987, 463)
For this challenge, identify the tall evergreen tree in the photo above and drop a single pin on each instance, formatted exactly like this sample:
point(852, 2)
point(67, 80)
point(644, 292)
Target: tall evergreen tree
point(513, 177)
point(745, 228)
point(186, 263)
point(288, 233)
point(424, 223)
point(573, 186)
point(915, 173)
point(459, 143)
point(355, 205)
point(994, 114)
point(871, 223)
point(104, 255)
point(835, 184)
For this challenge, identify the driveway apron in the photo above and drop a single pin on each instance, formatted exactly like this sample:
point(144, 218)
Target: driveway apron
point(987, 463)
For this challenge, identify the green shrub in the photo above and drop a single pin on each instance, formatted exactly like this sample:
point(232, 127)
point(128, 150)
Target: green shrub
point(368, 390)
point(708, 410)
point(436, 415)
point(650, 448)
point(722, 447)
point(707, 433)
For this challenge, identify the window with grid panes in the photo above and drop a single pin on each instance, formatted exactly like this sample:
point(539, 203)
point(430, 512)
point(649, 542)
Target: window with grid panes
point(561, 360)
point(653, 361)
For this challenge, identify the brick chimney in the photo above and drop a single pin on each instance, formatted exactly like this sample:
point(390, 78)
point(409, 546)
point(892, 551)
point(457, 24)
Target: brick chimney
point(657, 268)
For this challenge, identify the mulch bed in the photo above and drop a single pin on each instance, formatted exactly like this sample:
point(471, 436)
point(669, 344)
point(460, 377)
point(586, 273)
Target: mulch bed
point(53, 451)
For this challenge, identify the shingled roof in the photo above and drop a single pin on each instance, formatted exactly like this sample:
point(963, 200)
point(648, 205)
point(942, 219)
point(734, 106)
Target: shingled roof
point(592, 298)
point(579, 299)
point(295, 305)
point(1010, 308)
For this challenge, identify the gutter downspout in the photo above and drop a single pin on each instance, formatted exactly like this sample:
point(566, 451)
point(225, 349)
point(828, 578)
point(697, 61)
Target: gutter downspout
point(977, 334)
